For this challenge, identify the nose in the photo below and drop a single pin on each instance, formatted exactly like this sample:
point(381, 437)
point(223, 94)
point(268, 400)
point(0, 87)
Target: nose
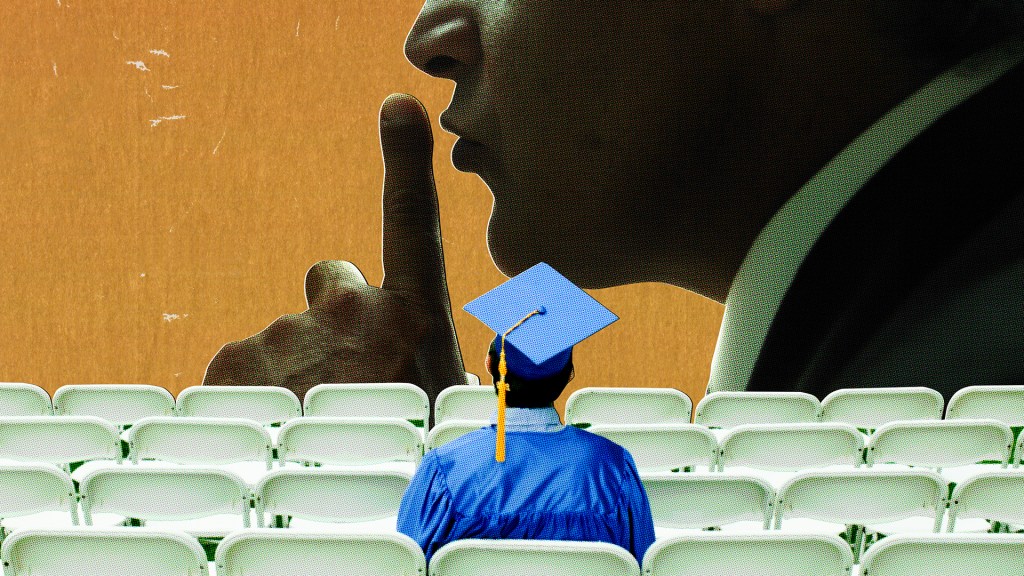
point(445, 40)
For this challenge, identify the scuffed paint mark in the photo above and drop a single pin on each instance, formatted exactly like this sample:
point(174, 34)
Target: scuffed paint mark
point(168, 87)
point(55, 70)
point(177, 374)
point(336, 20)
point(156, 121)
point(143, 275)
point(173, 317)
point(116, 37)
point(297, 24)
point(148, 95)
point(217, 147)
point(139, 64)
point(160, 53)
point(58, 4)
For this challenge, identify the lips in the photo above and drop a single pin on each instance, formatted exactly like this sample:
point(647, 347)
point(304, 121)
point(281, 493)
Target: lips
point(467, 155)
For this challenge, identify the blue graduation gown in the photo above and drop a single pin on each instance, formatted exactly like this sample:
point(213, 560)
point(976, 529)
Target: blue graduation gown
point(567, 484)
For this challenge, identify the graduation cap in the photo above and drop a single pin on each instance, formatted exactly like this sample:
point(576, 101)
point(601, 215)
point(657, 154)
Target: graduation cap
point(538, 316)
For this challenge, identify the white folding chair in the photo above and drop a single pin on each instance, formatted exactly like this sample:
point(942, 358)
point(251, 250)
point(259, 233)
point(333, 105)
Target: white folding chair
point(988, 497)
point(238, 445)
point(85, 551)
point(664, 447)
point(119, 404)
point(946, 555)
point(385, 400)
point(955, 448)
point(21, 399)
point(703, 501)
point(36, 495)
point(882, 502)
point(60, 440)
point(271, 406)
point(449, 430)
point(776, 452)
point(472, 379)
point(353, 500)
point(723, 410)
point(1003, 403)
point(869, 408)
point(381, 443)
point(270, 551)
point(465, 403)
point(547, 557)
point(202, 501)
point(754, 554)
point(611, 406)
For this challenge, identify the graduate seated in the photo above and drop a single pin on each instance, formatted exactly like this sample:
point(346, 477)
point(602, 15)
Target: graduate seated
point(527, 476)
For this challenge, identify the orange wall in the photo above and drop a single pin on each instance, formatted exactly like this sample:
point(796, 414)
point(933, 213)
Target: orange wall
point(169, 171)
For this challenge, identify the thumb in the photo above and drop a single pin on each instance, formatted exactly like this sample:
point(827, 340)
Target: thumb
point(412, 254)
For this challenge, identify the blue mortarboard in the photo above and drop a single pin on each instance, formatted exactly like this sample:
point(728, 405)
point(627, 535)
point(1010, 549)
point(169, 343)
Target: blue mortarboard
point(541, 315)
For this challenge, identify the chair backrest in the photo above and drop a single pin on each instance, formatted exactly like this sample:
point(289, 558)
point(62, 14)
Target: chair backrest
point(664, 447)
point(330, 495)
point(87, 551)
point(465, 403)
point(791, 447)
point(472, 379)
point(862, 496)
point(945, 555)
point(21, 399)
point(264, 404)
point(257, 552)
point(32, 488)
point(729, 409)
point(1019, 451)
point(1003, 403)
point(940, 443)
point(996, 495)
point(547, 557)
point(760, 554)
point(869, 408)
point(450, 430)
point(707, 500)
point(58, 439)
point(594, 406)
point(185, 440)
point(383, 400)
point(119, 404)
point(349, 441)
point(184, 493)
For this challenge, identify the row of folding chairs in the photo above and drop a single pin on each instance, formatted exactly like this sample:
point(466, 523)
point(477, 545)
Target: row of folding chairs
point(255, 552)
point(867, 408)
point(957, 448)
point(210, 502)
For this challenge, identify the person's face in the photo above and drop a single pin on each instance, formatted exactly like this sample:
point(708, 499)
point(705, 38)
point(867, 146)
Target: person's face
point(594, 123)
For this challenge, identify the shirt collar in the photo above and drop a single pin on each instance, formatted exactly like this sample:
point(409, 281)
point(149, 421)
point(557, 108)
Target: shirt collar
point(771, 263)
point(530, 419)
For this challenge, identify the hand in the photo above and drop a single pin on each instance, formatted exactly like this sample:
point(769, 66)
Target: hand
point(354, 332)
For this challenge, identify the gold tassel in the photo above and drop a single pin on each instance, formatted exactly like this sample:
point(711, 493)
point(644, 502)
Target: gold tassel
point(499, 443)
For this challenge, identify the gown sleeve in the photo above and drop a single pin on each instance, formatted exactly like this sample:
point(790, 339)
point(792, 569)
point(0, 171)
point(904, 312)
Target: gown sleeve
point(426, 514)
point(641, 528)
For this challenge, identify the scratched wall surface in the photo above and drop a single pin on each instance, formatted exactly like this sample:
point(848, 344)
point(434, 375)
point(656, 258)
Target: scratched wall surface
point(170, 170)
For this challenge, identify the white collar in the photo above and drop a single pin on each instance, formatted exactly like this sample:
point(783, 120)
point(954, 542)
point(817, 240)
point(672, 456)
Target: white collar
point(530, 419)
point(772, 261)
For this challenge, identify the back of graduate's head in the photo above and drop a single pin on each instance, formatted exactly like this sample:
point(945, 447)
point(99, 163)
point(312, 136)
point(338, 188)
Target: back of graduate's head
point(528, 390)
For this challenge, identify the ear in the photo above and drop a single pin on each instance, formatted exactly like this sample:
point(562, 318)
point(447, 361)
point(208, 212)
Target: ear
point(767, 7)
point(487, 363)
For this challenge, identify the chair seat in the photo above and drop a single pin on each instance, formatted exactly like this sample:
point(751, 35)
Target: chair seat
point(744, 527)
point(810, 526)
point(914, 525)
point(49, 519)
point(216, 526)
point(383, 526)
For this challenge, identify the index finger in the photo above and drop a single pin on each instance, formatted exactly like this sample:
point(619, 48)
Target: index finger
point(412, 254)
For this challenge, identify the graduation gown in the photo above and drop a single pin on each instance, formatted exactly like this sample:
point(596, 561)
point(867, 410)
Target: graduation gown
point(563, 485)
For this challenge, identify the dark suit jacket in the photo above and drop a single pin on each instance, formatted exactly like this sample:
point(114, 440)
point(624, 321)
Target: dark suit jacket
point(919, 280)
